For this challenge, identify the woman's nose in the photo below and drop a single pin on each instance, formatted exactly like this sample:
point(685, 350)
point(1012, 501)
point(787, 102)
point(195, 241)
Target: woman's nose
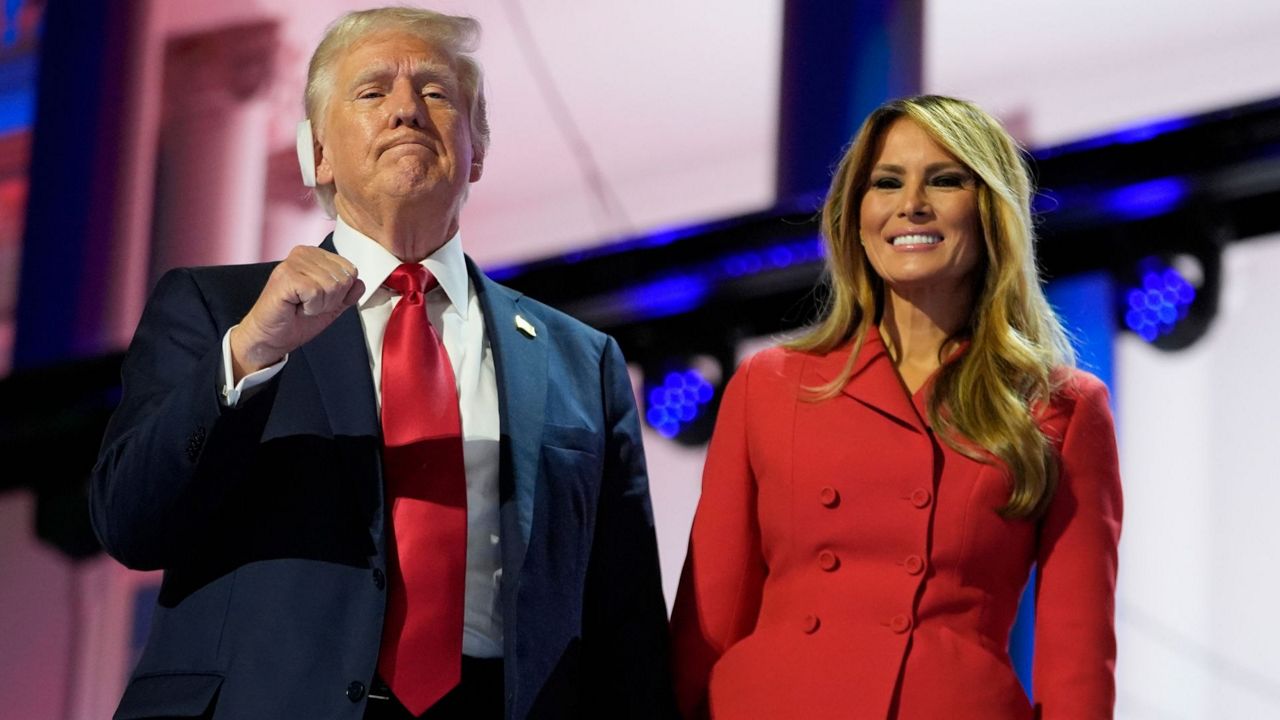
point(914, 203)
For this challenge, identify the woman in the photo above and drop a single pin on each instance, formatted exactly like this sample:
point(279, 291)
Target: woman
point(877, 492)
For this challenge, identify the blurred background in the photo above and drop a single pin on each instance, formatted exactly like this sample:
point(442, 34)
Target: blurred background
point(655, 169)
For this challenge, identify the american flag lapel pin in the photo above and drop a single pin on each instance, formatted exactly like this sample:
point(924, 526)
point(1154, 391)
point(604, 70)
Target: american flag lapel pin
point(525, 326)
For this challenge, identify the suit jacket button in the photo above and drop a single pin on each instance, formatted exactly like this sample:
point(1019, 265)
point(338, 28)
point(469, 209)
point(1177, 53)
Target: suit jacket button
point(921, 498)
point(828, 561)
point(355, 691)
point(900, 624)
point(379, 579)
point(914, 564)
point(810, 624)
point(829, 496)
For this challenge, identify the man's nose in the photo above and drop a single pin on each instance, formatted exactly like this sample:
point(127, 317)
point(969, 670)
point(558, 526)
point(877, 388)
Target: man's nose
point(407, 106)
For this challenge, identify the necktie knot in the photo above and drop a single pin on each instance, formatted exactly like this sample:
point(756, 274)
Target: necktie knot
point(410, 278)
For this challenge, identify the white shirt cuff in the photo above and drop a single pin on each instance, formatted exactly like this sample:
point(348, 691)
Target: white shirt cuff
point(231, 392)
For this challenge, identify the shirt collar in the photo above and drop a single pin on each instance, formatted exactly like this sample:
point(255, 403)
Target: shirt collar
point(375, 264)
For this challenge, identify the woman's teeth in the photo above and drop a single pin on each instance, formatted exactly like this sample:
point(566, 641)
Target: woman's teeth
point(917, 240)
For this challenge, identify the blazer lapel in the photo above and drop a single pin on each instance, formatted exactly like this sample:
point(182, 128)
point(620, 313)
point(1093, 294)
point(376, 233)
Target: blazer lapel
point(875, 382)
point(519, 342)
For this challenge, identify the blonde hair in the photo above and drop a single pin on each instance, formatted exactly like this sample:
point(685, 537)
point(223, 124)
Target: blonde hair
point(454, 35)
point(986, 403)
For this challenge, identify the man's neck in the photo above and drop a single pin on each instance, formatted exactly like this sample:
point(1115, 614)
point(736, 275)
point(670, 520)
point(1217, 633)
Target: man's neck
point(410, 233)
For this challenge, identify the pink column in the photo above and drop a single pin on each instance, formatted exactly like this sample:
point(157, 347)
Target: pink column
point(212, 166)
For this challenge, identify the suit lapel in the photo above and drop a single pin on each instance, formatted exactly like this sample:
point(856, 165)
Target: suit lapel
point(520, 363)
point(339, 360)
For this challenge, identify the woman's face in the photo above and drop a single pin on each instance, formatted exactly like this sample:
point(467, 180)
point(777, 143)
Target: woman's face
point(919, 220)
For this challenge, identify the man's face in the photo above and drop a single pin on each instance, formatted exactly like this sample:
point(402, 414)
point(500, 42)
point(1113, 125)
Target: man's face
point(395, 132)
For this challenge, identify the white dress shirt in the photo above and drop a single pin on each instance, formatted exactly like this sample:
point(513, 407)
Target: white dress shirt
point(454, 310)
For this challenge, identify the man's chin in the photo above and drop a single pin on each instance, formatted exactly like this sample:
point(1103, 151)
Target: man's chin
point(417, 189)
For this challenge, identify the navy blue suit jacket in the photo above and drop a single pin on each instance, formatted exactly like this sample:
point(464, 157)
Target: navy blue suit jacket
point(269, 519)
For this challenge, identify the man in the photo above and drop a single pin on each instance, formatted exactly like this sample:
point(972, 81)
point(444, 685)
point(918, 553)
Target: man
point(379, 484)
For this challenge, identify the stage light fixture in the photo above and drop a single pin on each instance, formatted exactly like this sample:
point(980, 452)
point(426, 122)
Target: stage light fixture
point(677, 401)
point(1161, 299)
point(1168, 299)
point(682, 396)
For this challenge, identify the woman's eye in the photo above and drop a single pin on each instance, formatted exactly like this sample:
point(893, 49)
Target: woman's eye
point(949, 180)
point(886, 183)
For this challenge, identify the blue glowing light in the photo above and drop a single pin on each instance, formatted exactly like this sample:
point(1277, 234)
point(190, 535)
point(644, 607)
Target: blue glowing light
point(1147, 199)
point(17, 92)
point(687, 288)
point(1162, 299)
point(1123, 136)
point(670, 295)
point(684, 291)
point(11, 8)
point(677, 401)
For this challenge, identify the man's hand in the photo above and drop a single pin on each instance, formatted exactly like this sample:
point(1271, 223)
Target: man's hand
point(304, 294)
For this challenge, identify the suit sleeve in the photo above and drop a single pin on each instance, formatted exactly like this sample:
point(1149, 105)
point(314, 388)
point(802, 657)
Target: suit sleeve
point(1075, 645)
point(625, 645)
point(719, 595)
point(171, 449)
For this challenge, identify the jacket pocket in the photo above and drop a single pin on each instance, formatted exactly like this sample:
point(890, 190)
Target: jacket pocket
point(569, 437)
point(169, 696)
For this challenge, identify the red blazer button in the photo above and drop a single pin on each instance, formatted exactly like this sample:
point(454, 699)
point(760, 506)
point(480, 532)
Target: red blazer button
point(830, 496)
point(810, 624)
point(900, 624)
point(828, 561)
point(921, 498)
point(914, 564)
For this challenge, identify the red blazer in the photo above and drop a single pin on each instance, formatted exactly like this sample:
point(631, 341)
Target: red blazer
point(845, 563)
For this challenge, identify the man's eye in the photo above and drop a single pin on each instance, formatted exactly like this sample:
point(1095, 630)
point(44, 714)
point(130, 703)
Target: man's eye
point(369, 95)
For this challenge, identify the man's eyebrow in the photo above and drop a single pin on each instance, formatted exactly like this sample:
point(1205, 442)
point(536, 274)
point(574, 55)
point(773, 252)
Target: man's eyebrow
point(423, 70)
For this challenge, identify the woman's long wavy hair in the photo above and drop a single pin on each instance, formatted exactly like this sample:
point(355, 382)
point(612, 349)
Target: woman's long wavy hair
point(986, 403)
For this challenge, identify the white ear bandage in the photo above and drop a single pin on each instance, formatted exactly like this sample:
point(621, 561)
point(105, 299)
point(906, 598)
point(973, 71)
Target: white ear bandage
point(307, 153)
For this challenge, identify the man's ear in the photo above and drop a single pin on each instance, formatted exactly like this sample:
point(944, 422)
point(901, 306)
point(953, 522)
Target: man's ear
point(477, 165)
point(307, 148)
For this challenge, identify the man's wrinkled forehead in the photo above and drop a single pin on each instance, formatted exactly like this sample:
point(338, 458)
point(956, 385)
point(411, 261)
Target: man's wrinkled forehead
point(423, 71)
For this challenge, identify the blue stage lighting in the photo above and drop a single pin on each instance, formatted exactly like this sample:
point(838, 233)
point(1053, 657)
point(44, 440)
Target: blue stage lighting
point(677, 401)
point(669, 295)
point(1159, 302)
point(1147, 199)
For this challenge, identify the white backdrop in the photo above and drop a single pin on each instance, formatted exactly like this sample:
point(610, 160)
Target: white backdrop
point(1199, 578)
point(1061, 70)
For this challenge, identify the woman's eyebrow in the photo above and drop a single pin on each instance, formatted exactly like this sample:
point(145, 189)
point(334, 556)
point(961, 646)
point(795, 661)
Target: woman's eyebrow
point(930, 168)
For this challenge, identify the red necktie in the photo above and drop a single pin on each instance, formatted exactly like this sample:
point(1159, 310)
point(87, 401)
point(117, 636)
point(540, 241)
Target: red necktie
point(421, 656)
